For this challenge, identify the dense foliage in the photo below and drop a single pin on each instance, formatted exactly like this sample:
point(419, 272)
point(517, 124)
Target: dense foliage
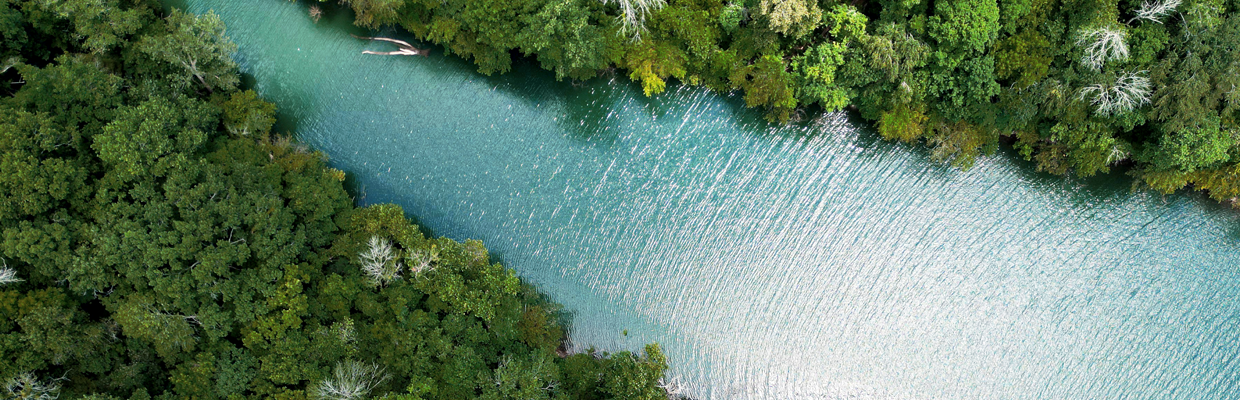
point(156, 240)
point(1079, 86)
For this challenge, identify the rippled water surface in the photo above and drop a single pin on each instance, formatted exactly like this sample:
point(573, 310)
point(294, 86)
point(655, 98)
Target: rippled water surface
point(802, 262)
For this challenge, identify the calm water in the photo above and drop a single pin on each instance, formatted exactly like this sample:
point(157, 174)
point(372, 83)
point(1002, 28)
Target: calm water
point(798, 262)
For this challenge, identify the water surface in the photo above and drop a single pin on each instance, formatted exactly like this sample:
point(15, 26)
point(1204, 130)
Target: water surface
point(771, 262)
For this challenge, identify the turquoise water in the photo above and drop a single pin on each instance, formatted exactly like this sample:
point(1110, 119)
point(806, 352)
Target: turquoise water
point(809, 261)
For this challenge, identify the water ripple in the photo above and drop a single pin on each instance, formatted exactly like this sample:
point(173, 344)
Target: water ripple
point(803, 262)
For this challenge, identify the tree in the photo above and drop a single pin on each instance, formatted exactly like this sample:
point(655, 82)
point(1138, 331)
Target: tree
point(522, 379)
point(816, 76)
point(1023, 59)
point(374, 13)
point(12, 33)
point(564, 40)
point(170, 334)
point(816, 68)
point(961, 78)
point(883, 70)
point(904, 123)
point(653, 61)
point(75, 92)
point(156, 238)
point(196, 47)
point(634, 378)
point(794, 18)
point(732, 16)
point(961, 143)
point(100, 24)
point(46, 173)
point(767, 84)
point(43, 170)
point(1087, 146)
point(142, 135)
point(963, 28)
point(1195, 148)
point(246, 114)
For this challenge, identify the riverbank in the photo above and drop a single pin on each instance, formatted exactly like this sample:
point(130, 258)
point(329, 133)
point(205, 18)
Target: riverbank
point(769, 261)
point(956, 77)
point(160, 240)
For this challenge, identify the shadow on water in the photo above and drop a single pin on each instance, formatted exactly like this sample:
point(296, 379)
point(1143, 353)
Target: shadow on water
point(1233, 230)
point(591, 120)
point(588, 106)
point(248, 81)
point(177, 4)
point(357, 190)
point(286, 122)
point(1103, 186)
point(1081, 191)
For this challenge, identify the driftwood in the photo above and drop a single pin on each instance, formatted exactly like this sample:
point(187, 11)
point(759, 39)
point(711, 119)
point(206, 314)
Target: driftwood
point(406, 49)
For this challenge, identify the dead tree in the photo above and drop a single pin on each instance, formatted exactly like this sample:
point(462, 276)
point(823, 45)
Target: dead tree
point(405, 49)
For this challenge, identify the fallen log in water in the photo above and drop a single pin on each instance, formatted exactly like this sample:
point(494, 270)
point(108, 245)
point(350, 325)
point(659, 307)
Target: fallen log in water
point(406, 49)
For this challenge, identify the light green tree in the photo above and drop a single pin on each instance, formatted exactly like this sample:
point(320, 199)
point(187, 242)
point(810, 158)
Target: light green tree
point(196, 47)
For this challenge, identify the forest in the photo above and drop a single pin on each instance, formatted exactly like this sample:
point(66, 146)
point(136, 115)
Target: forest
point(1078, 87)
point(159, 240)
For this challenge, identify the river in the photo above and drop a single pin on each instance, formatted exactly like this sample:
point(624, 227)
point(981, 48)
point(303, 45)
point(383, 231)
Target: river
point(809, 261)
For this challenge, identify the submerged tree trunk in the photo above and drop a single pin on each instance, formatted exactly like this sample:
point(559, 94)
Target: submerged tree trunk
point(405, 49)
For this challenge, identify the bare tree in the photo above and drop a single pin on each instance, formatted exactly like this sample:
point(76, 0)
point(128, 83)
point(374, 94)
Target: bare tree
point(1102, 45)
point(9, 63)
point(351, 380)
point(671, 386)
point(379, 261)
point(1129, 91)
point(1119, 152)
point(8, 275)
point(1154, 11)
point(316, 13)
point(26, 386)
point(633, 15)
point(420, 261)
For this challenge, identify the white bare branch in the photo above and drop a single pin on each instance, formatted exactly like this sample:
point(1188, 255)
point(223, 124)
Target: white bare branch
point(671, 386)
point(1102, 45)
point(1116, 154)
point(7, 275)
point(633, 15)
point(9, 63)
point(27, 386)
point(422, 261)
point(1130, 91)
point(379, 261)
point(1154, 11)
point(351, 380)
